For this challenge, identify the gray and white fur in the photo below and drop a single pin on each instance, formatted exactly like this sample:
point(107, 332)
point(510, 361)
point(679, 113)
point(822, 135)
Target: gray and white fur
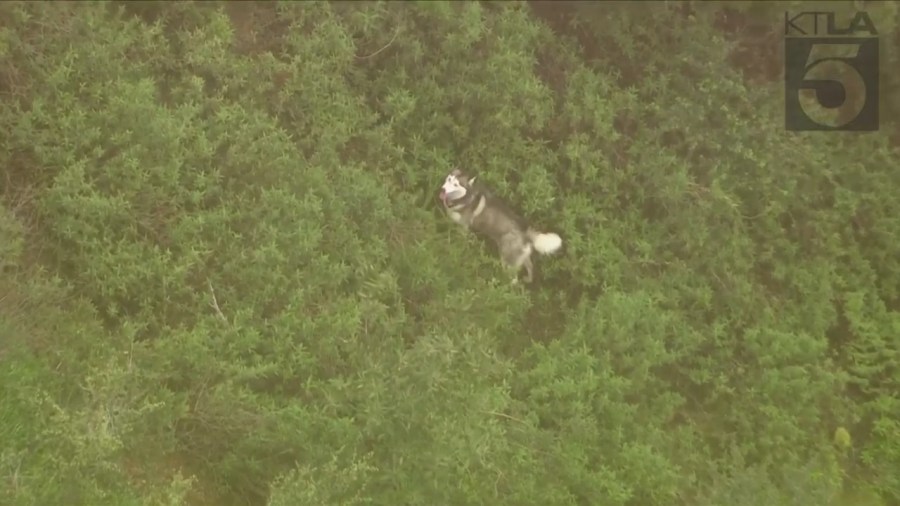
point(475, 208)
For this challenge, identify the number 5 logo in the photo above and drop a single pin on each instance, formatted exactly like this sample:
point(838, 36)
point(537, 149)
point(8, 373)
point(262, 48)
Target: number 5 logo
point(829, 74)
point(842, 73)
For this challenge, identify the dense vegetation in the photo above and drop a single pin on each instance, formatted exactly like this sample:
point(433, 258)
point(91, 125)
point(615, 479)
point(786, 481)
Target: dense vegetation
point(226, 279)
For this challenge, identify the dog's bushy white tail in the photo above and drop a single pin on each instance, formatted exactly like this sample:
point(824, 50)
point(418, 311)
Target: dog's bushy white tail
point(545, 243)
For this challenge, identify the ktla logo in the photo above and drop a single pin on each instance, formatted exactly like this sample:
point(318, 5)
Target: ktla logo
point(831, 73)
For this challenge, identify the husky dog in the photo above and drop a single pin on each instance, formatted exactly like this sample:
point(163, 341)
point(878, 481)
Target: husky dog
point(473, 207)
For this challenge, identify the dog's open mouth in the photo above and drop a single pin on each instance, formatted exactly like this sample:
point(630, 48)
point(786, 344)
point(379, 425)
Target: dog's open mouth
point(452, 196)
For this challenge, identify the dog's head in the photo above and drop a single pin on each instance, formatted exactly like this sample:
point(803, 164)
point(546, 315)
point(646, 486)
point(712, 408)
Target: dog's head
point(456, 186)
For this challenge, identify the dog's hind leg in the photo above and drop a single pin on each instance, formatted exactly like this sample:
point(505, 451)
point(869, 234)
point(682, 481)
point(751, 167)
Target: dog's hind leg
point(514, 272)
point(529, 269)
point(515, 261)
point(516, 253)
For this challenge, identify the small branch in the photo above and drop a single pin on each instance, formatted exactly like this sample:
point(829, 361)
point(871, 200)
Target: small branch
point(215, 303)
point(131, 355)
point(397, 32)
point(504, 415)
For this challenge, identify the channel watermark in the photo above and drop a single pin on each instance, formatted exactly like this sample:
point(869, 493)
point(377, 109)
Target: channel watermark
point(830, 73)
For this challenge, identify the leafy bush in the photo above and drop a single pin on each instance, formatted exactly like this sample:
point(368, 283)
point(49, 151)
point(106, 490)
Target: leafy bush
point(227, 279)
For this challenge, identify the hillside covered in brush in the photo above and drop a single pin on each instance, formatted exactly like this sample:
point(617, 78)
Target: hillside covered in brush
point(226, 279)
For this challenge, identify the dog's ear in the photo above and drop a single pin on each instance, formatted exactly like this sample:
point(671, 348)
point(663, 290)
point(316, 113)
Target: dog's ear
point(472, 180)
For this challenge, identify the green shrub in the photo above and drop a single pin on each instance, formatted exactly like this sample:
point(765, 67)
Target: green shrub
point(231, 283)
